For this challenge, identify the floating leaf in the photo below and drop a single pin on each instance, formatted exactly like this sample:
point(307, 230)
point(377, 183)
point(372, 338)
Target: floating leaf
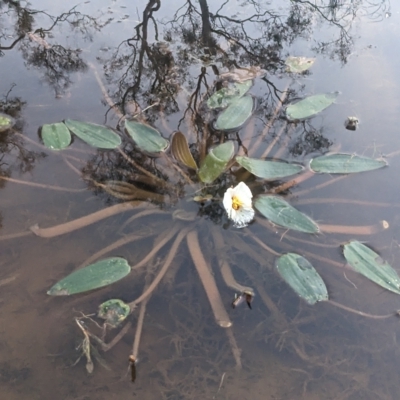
point(93, 134)
point(97, 275)
point(113, 311)
point(56, 136)
point(6, 122)
point(146, 138)
point(282, 213)
point(368, 263)
point(225, 96)
point(299, 64)
point(215, 162)
point(268, 169)
point(237, 113)
point(180, 150)
point(302, 277)
point(243, 74)
point(345, 164)
point(310, 106)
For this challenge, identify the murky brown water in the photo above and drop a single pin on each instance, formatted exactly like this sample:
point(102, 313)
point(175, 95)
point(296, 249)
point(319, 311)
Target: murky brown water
point(288, 350)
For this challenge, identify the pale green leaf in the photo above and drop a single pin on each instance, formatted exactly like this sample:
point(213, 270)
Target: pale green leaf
point(225, 96)
point(268, 169)
point(299, 64)
point(302, 277)
point(216, 162)
point(113, 311)
point(237, 113)
point(310, 106)
point(93, 134)
point(345, 164)
point(281, 213)
point(6, 122)
point(94, 276)
point(56, 136)
point(368, 263)
point(146, 138)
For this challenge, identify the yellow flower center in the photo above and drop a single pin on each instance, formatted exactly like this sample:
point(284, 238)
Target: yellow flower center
point(236, 203)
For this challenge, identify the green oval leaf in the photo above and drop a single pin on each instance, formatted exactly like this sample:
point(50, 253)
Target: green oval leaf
point(180, 150)
point(146, 138)
point(114, 312)
point(368, 263)
point(302, 277)
point(215, 162)
point(93, 134)
point(310, 106)
point(6, 122)
point(237, 113)
point(345, 164)
point(56, 136)
point(225, 96)
point(283, 214)
point(299, 64)
point(268, 169)
point(94, 276)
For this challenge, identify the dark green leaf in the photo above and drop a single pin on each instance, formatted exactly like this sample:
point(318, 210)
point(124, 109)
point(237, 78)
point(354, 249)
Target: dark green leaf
point(94, 276)
point(94, 135)
point(225, 96)
point(302, 277)
point(113, 311)
point(215, 162)
point(146, 138)
point(345, 164)
point(56, 136)
point(237, 113)
point(268, 169)
point(368, 263)
point(180, 150)
point(283, 214)
point(310, 106)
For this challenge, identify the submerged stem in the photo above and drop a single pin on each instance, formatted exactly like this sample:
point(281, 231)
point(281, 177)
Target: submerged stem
point(79, 223)
point(162, 272)
point(208, 281)
point(362, 314)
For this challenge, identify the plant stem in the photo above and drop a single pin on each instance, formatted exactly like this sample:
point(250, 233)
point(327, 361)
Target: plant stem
point(208, 281)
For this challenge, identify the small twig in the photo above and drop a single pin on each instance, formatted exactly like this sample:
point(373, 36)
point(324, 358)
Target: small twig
point(362, 314)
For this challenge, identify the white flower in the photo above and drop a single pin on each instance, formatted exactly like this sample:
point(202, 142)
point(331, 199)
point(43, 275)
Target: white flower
point(237, 203)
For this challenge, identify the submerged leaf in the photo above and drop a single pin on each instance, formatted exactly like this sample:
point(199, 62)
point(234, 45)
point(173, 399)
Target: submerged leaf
point(302, 277)
point(243, 74)
point(6, 122)
point(93, 134)
point(56, 136)
point(113, 311)
point(180, 150)
point(268, 169)
point(127, 191)
point(237, 113)
point(225, 96)
point(345, 164)
point(146, 138)
point(310, 106)
point(368, 263)
point(97, 275)
point(282, 213)
point(215, 162)
point(299, 64)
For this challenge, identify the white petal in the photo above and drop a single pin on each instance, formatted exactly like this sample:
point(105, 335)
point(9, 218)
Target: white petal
point(242, 216)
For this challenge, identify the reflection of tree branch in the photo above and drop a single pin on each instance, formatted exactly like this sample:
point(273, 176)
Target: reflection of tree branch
point(12, 44)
